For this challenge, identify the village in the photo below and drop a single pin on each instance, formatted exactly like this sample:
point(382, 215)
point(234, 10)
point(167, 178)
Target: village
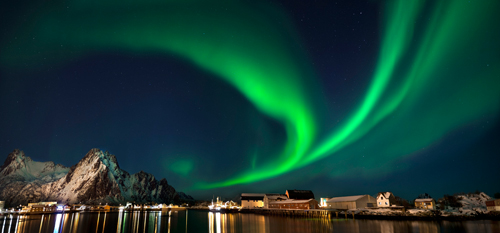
point(301, 203)
point(304, 203)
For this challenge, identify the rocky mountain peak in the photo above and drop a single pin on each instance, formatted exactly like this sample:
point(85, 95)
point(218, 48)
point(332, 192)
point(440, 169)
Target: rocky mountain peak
point(16, 155)
point(142, 174)
point(96, 155)
point(93, 154)
point(164, 182)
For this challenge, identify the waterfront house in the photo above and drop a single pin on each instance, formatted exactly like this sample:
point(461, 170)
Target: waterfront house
point(350, 202)
point(35, 208)
point(294, 204)
point(386, 199)
point(45, 203)
point(425, 203)
point(299, 194)
point(252, 200)
point(493, 205)
point(41, 207)
point(273, 197)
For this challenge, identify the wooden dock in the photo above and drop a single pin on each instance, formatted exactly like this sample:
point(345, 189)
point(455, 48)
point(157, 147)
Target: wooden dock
point(313, 213)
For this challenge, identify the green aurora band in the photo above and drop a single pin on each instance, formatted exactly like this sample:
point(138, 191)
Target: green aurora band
point(423, 69)
point(231, 39)
point(447, 57)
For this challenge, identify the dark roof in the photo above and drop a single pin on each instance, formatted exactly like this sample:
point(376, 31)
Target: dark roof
point(300, 194)
point(424, 196)
point(387, 195)
point(252, 196)
point(275, 194)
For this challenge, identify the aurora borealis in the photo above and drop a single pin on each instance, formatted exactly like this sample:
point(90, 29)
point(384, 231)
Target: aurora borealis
point(265, 93)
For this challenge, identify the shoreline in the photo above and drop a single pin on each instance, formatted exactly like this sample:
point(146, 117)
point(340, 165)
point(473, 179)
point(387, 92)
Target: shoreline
point(428, 218)
point(313, 213)
point(337, 214)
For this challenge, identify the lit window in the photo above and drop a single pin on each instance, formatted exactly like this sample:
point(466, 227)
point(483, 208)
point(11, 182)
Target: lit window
point(380, 203)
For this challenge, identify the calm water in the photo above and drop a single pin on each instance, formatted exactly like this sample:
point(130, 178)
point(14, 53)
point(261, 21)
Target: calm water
point(203, 221)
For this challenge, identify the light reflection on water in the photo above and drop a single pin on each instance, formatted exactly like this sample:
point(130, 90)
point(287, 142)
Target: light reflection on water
point(202, 221)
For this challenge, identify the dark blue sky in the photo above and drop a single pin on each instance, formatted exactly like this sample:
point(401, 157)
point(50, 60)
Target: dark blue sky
point(155, 110)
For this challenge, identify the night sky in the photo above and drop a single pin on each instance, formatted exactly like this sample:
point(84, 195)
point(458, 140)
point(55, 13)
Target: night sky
point(223, 97)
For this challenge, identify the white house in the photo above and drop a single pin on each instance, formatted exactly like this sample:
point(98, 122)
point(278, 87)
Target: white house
point(386, 199)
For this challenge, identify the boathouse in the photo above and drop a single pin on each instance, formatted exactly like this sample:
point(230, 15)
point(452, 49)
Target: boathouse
point(252, 200)
point(273, 197)
point(351, 202)
point(294, 204)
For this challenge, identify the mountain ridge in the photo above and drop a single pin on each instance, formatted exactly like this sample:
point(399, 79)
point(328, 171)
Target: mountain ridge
point(96, 178)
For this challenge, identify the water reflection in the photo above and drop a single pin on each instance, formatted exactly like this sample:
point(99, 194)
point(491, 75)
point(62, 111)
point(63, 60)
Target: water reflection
point(202, 221)
point(58, 223)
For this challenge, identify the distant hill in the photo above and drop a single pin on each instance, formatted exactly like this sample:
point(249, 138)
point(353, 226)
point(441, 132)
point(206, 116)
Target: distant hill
point(97, 178)
point(472, 203)
point(464, 204)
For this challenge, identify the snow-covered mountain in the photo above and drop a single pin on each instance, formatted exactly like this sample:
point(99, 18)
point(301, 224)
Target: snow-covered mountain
point(97, 178)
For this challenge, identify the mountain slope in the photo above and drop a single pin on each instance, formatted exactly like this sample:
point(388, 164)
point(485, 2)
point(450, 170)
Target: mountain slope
point(97, 178)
